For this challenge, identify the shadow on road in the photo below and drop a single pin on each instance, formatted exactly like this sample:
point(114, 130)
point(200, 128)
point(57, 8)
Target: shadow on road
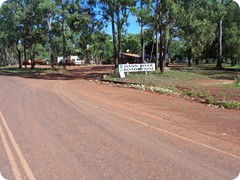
point(71, 73)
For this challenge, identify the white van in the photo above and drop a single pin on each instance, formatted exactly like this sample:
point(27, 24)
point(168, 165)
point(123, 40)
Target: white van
point(78, 61)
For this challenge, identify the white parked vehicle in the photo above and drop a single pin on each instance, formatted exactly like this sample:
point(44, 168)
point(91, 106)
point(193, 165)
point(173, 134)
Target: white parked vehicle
point(75, 60)
point(59, 58)
point(78, 61)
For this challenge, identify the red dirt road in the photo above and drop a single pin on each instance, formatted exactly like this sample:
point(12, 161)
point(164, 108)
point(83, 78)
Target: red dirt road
point(73, 128)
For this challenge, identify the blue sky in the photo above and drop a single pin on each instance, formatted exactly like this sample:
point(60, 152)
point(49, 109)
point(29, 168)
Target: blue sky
point(133, 27)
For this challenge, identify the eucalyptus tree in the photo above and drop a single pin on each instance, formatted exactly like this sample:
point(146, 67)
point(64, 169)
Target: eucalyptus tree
point(117, 12)
point(18, 27)
point(223, 3)
point(197, 27)
point(31, 21)
point(143, 10)
point(62, 7)
point(231, 33)
point(85, 25)
point(101, 48)
point(77, 28)
point(131, 43)
point(48, 11)
point(167, 14)
point(7, 33)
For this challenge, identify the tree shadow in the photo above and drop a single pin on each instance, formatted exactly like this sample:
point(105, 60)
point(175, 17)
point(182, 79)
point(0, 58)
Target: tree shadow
point(71, 73)
point(210, 71)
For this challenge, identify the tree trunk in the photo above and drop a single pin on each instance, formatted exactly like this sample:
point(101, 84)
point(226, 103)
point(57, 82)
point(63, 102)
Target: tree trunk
point(157, 62)
point(119, 36)
point(19, 58)
point(232, 60)
point(119, 46)
point(32, 57)
point(6, 57)
point(114, 41)
point(207, 60)
point(142, 44)
point(197, 62)
point(157, 20)
point(64, 38)
point(152, 51)
point(142, 36)
point(25, 55)
point(189, 61)
point(51, 47)
point(161, 40)
point(219, 61)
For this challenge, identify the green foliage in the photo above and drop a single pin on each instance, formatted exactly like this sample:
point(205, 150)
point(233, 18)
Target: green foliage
point(188, 28)
point(197, 29)
point(229, 105)
point(238, 81)
point(231, 33)
point(132, 43)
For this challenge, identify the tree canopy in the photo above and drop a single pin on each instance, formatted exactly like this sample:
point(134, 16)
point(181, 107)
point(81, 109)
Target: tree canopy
point(195, 30)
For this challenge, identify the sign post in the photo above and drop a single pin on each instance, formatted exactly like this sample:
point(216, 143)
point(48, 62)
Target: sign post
point(121, 70)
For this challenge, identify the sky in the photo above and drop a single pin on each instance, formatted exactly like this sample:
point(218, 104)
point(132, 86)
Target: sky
point(133, 27)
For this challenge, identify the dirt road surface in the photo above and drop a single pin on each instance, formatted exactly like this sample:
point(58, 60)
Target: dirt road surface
point(73, 128)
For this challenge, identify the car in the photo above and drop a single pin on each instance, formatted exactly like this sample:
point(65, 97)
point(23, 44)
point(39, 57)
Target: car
point(78, 61)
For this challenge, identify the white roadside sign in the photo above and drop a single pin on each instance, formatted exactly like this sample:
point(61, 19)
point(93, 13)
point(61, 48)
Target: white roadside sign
point(135, 68)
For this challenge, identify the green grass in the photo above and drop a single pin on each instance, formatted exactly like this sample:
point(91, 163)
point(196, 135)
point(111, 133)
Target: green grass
point(28, 71)
point(200, 83)
point(23, 70)
point(238, 81)
point(228, 66)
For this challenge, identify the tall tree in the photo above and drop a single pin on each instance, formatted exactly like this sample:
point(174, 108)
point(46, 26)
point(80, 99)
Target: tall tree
point(231, 33)
point(220, 32)
point(144, 15)
point(167, 15)
point(8, 36)
point(197, 28)
point(117, 12)
point(47, 11)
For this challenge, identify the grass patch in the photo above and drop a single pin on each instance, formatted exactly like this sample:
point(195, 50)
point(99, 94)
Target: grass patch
point(228, 66)
point(19, 71)
point(28, 71)
point(238, 81)
point(202, 84)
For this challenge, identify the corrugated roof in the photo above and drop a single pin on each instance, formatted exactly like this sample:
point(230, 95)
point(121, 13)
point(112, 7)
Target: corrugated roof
point(131, 55)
